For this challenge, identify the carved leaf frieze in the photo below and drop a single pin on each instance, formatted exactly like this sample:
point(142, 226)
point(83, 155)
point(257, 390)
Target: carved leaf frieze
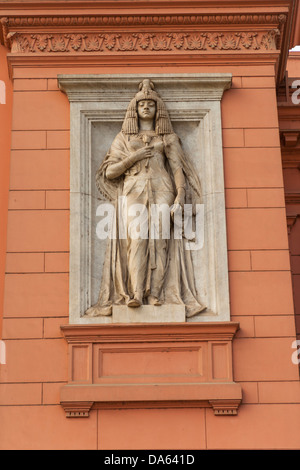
point(143, 42)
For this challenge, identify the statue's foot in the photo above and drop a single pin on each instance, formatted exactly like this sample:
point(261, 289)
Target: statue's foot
point(98, 311)
point(152, 300)
point(135, 302)
point(194, 311)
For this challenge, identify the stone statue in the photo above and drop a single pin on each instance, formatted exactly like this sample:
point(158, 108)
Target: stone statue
point(146, 167)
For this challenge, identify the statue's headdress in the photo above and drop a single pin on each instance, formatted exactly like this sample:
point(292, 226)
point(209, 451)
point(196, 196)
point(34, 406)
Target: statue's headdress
point(162, 121)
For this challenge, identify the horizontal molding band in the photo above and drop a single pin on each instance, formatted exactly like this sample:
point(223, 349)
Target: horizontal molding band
point(142, 19)
point(192, 58)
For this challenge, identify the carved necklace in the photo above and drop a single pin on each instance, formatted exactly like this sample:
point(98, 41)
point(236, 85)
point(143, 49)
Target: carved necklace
point(146, 136)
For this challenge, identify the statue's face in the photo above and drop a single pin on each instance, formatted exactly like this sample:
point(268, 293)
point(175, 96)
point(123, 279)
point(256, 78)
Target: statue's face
point(146, 109)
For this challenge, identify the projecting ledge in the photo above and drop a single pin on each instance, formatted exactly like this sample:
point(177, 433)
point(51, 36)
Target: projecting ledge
point(150, 366)
point(224, 398)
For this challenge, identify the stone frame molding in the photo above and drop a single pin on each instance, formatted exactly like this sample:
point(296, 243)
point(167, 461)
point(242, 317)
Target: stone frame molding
point(189, 97)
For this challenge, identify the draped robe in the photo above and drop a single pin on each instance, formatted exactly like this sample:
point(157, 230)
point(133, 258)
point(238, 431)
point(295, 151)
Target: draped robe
point(153, 266)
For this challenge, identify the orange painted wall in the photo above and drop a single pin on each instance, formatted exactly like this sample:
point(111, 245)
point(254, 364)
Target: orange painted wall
point(292, 185)
point(5, 141)
point(36, 292)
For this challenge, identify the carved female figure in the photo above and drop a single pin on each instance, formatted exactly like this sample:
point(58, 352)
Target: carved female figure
point(147, 166)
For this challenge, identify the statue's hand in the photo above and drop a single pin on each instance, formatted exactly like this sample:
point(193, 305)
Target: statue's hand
point(180, 199)
point(141, 154)
point(178, 205)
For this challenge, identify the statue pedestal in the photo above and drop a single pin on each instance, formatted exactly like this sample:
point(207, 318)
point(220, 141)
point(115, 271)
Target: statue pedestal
point(149, 366)
point(149, 314)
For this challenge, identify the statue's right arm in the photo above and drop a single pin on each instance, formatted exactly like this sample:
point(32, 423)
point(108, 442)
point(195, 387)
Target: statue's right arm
point(114, 170)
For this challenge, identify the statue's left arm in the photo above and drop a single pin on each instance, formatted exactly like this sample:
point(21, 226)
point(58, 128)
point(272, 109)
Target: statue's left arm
point(172, 150)
point(179, 179)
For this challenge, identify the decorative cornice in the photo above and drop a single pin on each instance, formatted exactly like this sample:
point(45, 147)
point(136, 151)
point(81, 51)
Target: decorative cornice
point(143, 42)
point(143, 33)
point(132, 34)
